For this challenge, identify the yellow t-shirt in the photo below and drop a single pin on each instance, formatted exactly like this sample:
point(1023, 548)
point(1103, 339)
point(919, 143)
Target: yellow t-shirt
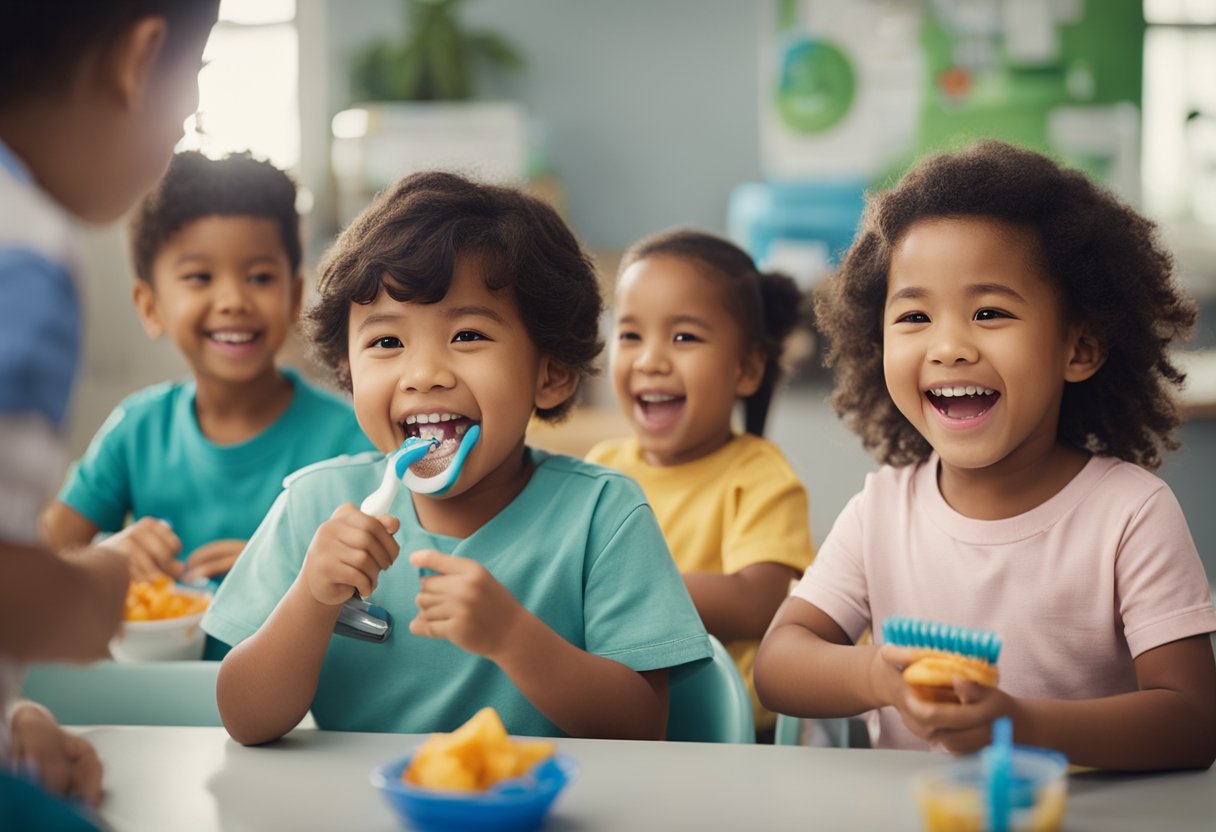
point(742, 504)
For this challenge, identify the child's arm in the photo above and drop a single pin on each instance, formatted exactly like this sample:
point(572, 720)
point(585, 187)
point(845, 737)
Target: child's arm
point(214, 558)
point(583, 694)
point(807, 666)
point(149, 544)
point(804, 669)
point(1170, 722)
point(267, 683)
point(63, 528)
point(62, 762)
point(741, 605)
point(86, 589)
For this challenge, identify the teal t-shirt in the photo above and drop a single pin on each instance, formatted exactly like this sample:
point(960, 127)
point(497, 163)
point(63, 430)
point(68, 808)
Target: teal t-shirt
point(151, 460)
point(579, 547)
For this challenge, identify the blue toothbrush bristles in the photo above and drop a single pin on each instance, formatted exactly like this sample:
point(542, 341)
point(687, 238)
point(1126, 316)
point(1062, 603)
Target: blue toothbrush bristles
point(914, 632)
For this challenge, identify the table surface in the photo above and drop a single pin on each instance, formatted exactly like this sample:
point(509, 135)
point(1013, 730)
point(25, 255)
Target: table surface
point(160, 778)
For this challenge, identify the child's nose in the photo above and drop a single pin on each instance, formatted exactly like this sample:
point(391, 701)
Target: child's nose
point(424, 371)
point(952, 345)
point(232, 295)
point(653, 359)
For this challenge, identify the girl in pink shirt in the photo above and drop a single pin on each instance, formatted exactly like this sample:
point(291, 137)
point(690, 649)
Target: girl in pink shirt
point(1000, 332)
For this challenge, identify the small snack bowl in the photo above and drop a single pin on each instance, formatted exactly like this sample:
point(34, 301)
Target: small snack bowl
point(516, 804)
point(954, 798)
point(162, 623)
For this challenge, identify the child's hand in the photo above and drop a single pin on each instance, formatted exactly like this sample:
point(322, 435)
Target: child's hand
point(463, 604)
point(961, 727)
point(151, 548)
point(63, 763)
point(211, 559)
point(348, 553)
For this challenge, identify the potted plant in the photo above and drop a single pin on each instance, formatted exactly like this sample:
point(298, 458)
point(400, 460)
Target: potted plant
point(416, 111)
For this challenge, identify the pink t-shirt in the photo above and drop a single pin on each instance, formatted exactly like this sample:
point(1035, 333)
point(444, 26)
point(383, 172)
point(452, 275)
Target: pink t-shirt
point(1076, 587)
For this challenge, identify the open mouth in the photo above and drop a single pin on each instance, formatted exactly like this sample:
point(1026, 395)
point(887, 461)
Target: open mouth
point(962, 403)
point(448, 428)
point(658, 410)
point(233, 339)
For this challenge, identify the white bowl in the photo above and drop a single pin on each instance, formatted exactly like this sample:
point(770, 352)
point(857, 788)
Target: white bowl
point(165, 639)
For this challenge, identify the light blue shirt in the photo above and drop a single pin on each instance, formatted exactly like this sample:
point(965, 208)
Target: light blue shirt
point(150, 459)
point(579, 547)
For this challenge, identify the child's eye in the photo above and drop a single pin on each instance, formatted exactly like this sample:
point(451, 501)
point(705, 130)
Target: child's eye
point(990, 314)
point(466, 336)
point(388, 342)
point(913, 318)
point(261, 278)
point(626, 335)
point(197, 277)
point(685, 338)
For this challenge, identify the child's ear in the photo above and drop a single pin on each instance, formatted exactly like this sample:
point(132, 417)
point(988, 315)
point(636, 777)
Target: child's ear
point(555, 383)
point(1088, 354)
point(145, 307)
point(132, 60)
point(751, 374)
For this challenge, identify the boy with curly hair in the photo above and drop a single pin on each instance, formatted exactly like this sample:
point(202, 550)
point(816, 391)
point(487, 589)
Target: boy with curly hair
point(537, 584)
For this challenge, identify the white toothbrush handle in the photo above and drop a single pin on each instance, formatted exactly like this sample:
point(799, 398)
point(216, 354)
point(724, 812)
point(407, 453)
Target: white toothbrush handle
point(379, 501)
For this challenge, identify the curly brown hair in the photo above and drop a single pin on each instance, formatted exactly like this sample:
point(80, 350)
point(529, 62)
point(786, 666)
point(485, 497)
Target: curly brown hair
point(765, 305)
point(1110, 271)
point(407, 242)
point(194, 187)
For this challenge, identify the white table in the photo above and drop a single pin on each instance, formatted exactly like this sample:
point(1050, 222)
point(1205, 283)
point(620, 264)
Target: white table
point(197, 778)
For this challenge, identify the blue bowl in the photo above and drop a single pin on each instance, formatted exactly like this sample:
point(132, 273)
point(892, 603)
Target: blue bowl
point(514, 805)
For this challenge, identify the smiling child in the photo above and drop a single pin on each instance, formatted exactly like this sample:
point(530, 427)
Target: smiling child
point(552, 596)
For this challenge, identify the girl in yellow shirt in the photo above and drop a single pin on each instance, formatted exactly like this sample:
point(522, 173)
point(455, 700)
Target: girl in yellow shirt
point(698, 328)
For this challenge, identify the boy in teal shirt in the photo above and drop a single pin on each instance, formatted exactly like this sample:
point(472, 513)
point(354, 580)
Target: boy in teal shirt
point(550, 593)
point(196, 464)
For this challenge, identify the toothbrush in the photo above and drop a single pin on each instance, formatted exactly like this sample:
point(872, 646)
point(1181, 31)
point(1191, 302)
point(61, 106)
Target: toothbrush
point(359, 617)
point(997, 763)
point(397, 467)
point(439, 483)
point(946, 652)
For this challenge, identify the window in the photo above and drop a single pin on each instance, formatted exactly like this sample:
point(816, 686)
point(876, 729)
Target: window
point(1179, 162)
point(249, 85)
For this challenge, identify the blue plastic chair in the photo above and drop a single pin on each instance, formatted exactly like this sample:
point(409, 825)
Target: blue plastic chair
point(113, 693)
point(709, 702)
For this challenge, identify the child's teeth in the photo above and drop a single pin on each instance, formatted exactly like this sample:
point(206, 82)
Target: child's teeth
point(430, 418)
point(948, 392)
point(460, 429)
point(232, 337)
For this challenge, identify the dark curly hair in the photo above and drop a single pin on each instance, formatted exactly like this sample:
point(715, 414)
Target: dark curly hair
point(195, 187)
point(766, 305)
point(1108, 266)
point(407, 242)
point(42, 45)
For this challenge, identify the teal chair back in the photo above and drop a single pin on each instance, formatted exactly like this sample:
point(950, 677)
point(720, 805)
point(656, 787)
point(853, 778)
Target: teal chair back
point(833, 733)
point(138, 693)
point(709, 702)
